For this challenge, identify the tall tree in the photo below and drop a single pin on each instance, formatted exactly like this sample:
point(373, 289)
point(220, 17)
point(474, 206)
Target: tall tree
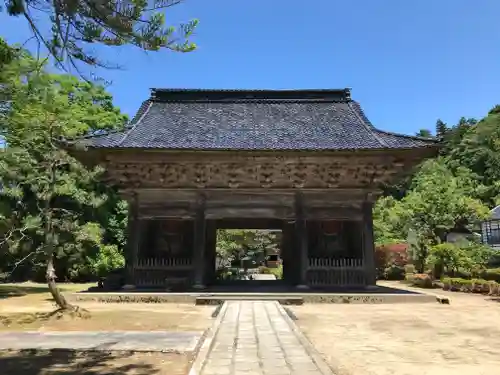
point(437, 202)
point(426, 133)
point(48, 192)
point(74, 25)
point(441, 129)
point(479, 151)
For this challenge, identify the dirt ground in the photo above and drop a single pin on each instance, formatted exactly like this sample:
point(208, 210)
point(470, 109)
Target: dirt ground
point(407, 339)
point(28, 306)
point(93, 363)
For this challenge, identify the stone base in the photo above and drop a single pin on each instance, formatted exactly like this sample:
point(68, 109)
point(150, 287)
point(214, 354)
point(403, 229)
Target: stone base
point(128, 287)
point(215, 298)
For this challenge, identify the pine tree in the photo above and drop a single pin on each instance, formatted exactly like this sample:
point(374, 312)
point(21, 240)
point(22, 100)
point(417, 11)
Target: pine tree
point(441, 129)
point(66, 28)
point(424, 133)
point(48, 191)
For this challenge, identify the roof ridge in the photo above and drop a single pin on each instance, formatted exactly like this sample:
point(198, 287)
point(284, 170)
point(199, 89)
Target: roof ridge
point(125, 129)
point(373, 128)
point(416, 137)
point(247, 95)
point(145, 111)
point(364, 120)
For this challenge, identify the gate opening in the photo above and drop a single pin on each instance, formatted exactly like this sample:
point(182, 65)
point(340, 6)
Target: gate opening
point(248, 255)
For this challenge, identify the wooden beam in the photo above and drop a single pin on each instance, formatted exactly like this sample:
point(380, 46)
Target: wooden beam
point(199, 243)
point(166, 212)
point(249, 212)
point(301, 233)
point(131, 247)
point(368, 244)
point(332, 213)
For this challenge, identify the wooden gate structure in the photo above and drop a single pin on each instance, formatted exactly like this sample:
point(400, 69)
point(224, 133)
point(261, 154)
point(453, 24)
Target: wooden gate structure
point(307, 162)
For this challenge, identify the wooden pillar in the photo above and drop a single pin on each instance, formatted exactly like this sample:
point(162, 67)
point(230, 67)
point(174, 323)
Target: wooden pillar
point(199, 243)
point(133, 239)
point(301, 237)
point(368, 244)
point(210, 251)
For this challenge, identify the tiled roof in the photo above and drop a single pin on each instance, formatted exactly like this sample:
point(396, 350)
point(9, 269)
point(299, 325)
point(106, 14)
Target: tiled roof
point(253, 120)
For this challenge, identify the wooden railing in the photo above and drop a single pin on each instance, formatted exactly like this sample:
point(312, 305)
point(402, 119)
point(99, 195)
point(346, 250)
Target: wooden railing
point(161, 272)
point(146, 279)
point(336, 272)
point(163, 264)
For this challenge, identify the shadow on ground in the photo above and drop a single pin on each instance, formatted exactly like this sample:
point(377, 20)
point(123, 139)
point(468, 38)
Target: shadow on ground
point(59, 362)
point(20, 291)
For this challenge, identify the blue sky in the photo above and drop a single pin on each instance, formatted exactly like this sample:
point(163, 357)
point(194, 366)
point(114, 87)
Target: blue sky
point(407, 62)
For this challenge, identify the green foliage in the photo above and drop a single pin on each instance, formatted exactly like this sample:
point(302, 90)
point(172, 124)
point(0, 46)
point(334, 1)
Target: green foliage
point(278, 271)
point(438, 201)
point(51, 205)
point(67, 28)
point(109, 258)
point(394, 273)
point(409, 269)
point(492, 274)
point(479, 152)
point(7, 53)
point(421, 280)
point(441, 129)
point(456, 258)
point(387, 224)
point(234, 244)
point(425, 133)
point(449, 256)
point(471, 286)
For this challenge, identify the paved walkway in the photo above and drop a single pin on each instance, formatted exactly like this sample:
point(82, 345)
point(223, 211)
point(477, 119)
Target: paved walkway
point(115, 340)
point(254, 338)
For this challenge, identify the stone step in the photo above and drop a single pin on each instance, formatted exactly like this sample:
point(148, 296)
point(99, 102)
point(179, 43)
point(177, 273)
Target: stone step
point(219, 299)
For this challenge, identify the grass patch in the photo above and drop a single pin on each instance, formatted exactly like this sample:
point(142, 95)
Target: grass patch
point(23, 289)
point(171, 318)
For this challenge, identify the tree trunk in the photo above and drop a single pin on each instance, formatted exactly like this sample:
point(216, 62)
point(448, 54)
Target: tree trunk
point(51, 282)
point(50, 274)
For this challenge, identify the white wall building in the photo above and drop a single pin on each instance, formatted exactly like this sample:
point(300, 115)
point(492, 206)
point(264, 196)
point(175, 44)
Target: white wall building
point(490, 229)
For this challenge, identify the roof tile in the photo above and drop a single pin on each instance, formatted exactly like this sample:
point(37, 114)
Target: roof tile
point(253, 120)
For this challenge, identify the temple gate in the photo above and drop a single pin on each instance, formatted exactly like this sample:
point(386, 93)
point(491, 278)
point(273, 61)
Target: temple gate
point(307, 162)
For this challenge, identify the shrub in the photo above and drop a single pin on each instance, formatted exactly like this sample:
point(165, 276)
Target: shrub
point(264, 270)
point(394, 273)
point(390, 255)
point(380, 261)
point(480, 286)
point(494, 288)
point(409, 269)
point(397, 254)
point(421, 280)
point(494, 261)
point(108, 259)
point(446, 283)
point(278, 271)
point(470, 286)
point(492, 274)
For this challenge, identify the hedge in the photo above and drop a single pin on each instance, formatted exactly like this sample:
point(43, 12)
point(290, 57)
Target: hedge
point(483, 286)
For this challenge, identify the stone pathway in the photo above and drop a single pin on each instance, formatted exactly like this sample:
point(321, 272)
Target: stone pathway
point(115, 340)
point(254, 338)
